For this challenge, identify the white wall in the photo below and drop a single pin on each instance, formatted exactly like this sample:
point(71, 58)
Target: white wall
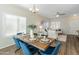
point(15, 10)
point(73, 24)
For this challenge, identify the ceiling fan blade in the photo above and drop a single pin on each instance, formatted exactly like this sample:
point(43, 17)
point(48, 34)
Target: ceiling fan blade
point(58, 13)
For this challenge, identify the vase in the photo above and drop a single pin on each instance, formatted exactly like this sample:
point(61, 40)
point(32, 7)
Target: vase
point(31, 34)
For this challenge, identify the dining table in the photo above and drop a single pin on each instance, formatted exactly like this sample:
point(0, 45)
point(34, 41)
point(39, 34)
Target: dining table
point(36, 42)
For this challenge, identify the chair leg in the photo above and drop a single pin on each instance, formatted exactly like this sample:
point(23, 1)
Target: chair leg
point(17, 50)
point(39, 52)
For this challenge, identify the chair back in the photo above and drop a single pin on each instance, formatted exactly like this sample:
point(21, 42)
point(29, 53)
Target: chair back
point(57, 48)
point(25, 48)
point(16, 42)
point(19, 33)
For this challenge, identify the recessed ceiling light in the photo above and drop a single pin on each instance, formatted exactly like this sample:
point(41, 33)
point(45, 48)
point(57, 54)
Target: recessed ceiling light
point(74, 14)
point(57, 15)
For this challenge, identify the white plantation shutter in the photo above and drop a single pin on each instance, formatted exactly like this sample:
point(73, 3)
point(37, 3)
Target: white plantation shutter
point(14, 24)
point(22, 24)
point(10, 24)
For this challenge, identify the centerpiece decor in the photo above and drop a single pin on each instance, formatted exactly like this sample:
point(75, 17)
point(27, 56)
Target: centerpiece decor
point(32, 28)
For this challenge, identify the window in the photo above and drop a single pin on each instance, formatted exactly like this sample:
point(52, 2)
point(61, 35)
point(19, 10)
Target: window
point(21, 24)
point(14, 24)
point(55, 25)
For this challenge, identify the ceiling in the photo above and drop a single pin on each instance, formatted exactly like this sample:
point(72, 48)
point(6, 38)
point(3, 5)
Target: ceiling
point(50, 10)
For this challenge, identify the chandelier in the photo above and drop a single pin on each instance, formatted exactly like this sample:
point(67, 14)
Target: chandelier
point(34, 9)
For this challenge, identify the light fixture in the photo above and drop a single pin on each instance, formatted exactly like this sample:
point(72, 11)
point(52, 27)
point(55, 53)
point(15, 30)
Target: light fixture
point(40, 27)
point(34, 9)
point(74, 14)
point(57, 15)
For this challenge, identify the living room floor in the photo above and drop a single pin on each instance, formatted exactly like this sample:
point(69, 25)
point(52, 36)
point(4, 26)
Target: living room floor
point(71, 47)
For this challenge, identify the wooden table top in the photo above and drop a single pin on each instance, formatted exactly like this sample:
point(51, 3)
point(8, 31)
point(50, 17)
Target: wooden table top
point(36, 43)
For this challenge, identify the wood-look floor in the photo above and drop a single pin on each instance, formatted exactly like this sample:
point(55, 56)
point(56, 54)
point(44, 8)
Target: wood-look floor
point(70, 47)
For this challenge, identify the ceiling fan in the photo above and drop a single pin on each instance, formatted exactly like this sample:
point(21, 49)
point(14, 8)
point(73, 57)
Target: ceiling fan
point(60, 14)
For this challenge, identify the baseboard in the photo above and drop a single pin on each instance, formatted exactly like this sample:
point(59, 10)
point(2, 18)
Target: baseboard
point(7, 46)
point(72, 34)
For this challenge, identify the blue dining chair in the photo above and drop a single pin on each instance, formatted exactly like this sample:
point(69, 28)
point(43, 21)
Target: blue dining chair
point(52, 50)
point(17, 42)
point(26, 49)
point(19, 33)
